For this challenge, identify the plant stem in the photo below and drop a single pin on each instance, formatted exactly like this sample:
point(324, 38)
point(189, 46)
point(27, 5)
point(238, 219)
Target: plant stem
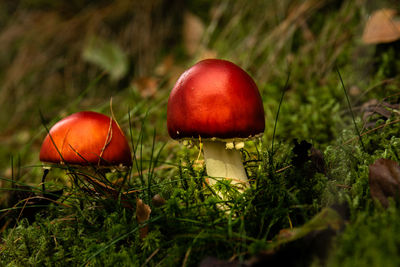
point(351, 110)
point(224, 163)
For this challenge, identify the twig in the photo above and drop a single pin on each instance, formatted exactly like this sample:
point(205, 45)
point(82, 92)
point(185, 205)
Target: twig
point(372, 130)
point(150, 257)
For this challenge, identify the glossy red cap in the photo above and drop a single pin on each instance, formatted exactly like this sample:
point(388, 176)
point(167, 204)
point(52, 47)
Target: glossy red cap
point(86, 138)
point(215, 98)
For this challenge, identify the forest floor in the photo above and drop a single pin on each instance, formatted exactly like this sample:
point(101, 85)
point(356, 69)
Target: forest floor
point(324, 177)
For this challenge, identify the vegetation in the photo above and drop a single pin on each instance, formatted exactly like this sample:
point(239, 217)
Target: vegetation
point(310, 197)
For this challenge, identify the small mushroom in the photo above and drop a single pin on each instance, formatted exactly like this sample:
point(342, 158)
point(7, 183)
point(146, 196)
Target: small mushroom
point(86, 138)
point(219, 103)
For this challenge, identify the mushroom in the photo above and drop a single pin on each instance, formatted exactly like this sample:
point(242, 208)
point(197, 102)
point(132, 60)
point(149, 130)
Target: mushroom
point(86, 138)
point(218, 103)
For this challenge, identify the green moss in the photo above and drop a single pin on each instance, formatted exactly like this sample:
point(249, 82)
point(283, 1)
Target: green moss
point(372, 239)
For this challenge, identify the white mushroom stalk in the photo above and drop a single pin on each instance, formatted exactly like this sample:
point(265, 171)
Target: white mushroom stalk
point(225, 163)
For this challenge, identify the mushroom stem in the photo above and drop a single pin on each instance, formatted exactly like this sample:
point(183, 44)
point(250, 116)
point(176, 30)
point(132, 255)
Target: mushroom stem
point(224, 163)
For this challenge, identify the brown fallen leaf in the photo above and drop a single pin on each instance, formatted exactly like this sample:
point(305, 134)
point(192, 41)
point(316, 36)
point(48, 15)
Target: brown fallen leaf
point(147, 86)
point(142, 215)
point(373, 110)
point(373, 106)
point(381, 27)
point(384, 180)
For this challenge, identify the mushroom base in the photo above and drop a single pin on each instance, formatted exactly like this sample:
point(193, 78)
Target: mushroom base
point(224, 163)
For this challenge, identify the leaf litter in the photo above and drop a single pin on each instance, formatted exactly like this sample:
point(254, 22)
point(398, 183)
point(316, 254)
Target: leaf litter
point(384, 180)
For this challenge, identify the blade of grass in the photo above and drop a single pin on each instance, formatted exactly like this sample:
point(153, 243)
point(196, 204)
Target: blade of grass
point(351, 110)
point(149, 173)
point(153, 163)
point(116, 240)
point(277, 115)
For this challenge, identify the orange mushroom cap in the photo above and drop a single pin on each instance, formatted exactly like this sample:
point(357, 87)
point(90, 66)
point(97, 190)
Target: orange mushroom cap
point(86, 138)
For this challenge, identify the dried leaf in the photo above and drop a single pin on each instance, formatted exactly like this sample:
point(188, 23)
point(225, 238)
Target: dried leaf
point(142, 215)
point(374, 107)
point(142, 211)
point(384, 180)
point(147, 86)
point(193, 30)
point(381, 27)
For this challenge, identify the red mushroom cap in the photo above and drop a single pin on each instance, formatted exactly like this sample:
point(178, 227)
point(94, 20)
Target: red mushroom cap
point(215, 98)
point(86, 138)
